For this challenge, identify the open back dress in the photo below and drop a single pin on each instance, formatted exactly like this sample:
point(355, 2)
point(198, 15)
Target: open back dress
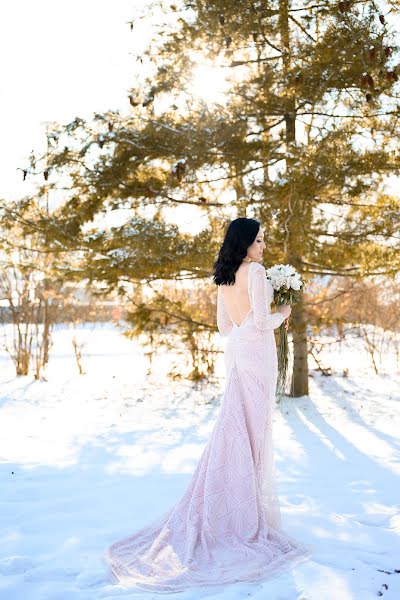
point(227, 525)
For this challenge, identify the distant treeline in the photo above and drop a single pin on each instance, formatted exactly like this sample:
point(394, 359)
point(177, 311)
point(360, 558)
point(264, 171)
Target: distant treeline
point(89, 313)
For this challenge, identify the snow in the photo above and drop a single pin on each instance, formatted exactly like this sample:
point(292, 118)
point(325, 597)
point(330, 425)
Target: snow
point(85, 460)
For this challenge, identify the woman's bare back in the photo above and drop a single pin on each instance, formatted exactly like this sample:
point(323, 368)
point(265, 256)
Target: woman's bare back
point(236, 297)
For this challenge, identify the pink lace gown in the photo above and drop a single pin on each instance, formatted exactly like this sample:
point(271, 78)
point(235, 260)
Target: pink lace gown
point(227, 526)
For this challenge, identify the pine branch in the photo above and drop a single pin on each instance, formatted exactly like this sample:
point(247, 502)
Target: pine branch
point(303, 29)
point(344, 274)
point(352, 115)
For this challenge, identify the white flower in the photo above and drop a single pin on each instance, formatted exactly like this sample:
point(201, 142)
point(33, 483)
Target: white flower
point(284, 277)
point(296, 284)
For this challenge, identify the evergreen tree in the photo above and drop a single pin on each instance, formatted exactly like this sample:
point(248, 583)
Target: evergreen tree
point(304, 142)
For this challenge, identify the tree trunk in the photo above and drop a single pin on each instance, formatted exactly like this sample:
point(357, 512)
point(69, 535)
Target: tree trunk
point(46, 331)
point(299, 382)
point(294, 225)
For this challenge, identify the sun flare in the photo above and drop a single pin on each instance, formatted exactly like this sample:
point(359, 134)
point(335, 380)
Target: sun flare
point(209, 83)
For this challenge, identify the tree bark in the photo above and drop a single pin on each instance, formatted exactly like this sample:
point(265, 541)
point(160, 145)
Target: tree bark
point(299, 382)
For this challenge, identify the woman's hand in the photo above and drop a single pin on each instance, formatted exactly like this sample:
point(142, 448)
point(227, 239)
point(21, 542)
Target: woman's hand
point(285, 309)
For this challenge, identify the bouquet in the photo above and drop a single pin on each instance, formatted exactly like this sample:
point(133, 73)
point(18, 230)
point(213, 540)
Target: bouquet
point(288, 286)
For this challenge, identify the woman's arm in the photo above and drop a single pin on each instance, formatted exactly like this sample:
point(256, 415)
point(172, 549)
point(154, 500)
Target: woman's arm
point(224, 322)
point(262, 294)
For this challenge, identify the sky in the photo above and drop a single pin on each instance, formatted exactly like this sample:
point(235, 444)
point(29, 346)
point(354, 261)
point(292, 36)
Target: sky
point(62, 59)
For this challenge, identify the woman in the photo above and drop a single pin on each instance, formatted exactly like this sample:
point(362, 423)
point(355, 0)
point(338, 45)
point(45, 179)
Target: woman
point(227, 525)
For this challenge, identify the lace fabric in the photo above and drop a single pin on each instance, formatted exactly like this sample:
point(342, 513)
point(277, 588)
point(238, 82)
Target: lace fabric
point(227, 526)
point(261, 295)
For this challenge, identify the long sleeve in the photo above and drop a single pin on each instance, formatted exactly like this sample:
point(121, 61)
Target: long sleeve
point(224, 322)
point(262, 294)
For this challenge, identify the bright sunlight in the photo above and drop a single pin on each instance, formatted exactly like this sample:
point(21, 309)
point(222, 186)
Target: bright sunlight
point(209, 83)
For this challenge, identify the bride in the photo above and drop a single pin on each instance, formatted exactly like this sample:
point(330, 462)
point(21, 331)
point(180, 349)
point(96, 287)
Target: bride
point(227, 525)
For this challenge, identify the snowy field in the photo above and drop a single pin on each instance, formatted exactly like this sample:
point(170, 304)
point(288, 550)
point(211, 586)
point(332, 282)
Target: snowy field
point(86, 460)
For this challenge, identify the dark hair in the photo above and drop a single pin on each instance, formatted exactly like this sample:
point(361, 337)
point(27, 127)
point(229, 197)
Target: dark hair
point(239, 235)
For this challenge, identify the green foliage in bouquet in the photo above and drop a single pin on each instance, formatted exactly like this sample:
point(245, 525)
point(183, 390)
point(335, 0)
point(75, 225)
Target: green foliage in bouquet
point(288, 287)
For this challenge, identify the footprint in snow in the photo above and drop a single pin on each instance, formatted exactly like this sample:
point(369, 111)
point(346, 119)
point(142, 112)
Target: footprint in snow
point(378, 521)
point(46, 573)
point(14, 565)
point(92, 578)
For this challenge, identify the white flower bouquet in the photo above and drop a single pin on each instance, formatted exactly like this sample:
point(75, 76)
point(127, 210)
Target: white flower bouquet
point(288, 286)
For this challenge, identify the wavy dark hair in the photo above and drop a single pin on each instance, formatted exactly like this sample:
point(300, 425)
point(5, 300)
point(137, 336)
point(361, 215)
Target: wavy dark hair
point(240, 234)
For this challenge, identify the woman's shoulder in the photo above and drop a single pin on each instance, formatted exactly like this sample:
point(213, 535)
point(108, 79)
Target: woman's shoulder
point(258, 267)
point(258, 272)
point(262, 274)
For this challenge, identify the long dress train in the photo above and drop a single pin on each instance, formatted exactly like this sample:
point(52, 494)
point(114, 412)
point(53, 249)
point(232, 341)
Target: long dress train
point(227, 525)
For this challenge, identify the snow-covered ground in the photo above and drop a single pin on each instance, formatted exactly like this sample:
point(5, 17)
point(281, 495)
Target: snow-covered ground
point(86, 460)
